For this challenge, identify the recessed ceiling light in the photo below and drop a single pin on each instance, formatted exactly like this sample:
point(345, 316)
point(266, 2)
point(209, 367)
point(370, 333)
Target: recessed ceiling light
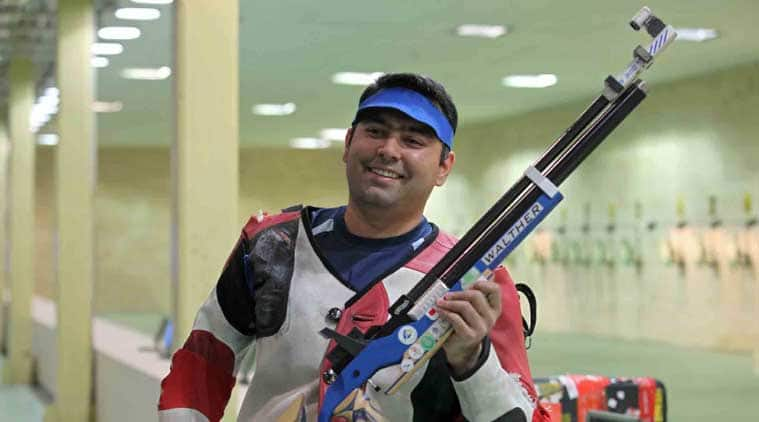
point(696, 34)
point(119, 33)
point(151, 74)
point(530, 81)
point(274, 109)
point(152, 1)
point(45, 108)
point(309, 143)
point(482, 31)
point(106, 48)
point(333, 134)
point(355, 78)
point(138, 13)
point(99, 61)
point(47, 139)
point(50, 101)
point(40, 115)
point(107, 106)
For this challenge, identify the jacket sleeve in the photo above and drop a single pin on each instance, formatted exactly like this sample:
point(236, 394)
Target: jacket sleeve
point(501, 389)
point(202, 372)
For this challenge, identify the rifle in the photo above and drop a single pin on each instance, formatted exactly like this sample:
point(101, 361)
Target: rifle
point(413, 333)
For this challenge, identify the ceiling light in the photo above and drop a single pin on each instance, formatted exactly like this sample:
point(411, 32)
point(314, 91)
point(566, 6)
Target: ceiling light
point(274, 109)
point(44, 109)
point(40, 115)
point(333, 134)
point(530, 81)
point(152, 1)
point(696, 34)
point(49, 101)
point(99, 61)
point(309, 143)
point(107, 107)
point(118, 33)
point(355, 78)
point(106, 48)
point(483, 31)
point(138, 13)
point(47, 139)
point(151, 74)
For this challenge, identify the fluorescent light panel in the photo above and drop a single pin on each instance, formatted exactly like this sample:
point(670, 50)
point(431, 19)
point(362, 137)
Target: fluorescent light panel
point(119, 33)
point(696, 34)
point(107, 106)
point(107, 48)
point(274, 109)
point(47, 139)
point(482, 31)
point(530, 81)
point(309, 143)
point(99, 61)
point(151, 74)
point(355, 78)
point(153, 1)
point(333, 134)
point(42, 112)
point(138, 13)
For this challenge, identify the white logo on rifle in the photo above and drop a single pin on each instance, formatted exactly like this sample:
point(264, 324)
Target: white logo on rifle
point(518, 228)
point(407, 334)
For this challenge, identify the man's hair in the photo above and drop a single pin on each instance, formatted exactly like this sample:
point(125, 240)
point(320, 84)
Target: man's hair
point(431, 89)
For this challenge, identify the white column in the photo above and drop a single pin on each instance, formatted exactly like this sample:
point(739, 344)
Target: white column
point(19, 367)
point(205, 152)
point(76, 163)
point(4, 201)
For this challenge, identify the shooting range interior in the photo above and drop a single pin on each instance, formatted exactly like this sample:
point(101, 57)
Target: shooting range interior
point(138, 136)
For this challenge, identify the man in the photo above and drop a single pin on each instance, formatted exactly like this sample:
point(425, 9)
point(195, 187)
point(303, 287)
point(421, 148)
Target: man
point(293, 273)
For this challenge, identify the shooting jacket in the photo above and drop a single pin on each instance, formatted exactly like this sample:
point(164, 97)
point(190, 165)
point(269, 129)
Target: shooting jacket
point(275, 294)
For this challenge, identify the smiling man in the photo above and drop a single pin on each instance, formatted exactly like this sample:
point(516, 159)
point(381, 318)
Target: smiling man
point(293, 273)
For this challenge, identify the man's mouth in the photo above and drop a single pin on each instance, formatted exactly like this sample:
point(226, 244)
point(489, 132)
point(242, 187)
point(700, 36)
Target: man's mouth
point(385, 173)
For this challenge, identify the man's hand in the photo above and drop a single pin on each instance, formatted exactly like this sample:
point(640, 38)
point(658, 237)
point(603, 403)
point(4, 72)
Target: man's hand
point(472, 313)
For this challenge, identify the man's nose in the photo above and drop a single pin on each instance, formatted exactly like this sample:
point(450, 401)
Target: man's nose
point(390, 148)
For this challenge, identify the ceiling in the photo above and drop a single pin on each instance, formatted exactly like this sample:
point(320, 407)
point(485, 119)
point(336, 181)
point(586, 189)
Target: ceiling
point(290, 49)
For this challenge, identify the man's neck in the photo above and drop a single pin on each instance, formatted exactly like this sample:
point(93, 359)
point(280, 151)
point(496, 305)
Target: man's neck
point(376, 223)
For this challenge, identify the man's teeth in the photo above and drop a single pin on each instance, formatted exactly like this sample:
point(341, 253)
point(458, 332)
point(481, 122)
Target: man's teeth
point(386, 173)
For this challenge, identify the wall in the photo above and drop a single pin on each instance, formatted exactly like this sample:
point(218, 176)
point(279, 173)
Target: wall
point(133, 215)
point(689, 140)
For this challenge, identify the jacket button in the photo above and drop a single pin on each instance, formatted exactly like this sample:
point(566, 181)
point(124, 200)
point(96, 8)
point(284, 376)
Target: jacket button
point(334, 314)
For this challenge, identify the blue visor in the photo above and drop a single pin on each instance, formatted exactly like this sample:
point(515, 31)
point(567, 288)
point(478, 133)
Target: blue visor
point(414, 105)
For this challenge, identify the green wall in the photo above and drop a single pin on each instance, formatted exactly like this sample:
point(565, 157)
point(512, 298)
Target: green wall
point(690, 139)
point(687, 141)
point(133, 214)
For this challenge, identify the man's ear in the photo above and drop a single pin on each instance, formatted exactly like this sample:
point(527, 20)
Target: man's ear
point(444, 169)
point(348, 139)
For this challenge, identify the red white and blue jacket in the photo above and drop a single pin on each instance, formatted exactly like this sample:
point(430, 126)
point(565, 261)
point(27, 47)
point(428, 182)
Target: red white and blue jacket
point(274, 294)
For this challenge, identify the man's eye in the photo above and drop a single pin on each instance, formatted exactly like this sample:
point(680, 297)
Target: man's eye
point(414, 142)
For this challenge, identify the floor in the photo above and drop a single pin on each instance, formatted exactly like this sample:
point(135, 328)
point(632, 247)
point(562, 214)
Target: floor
point(701, 385)
point(19, 403)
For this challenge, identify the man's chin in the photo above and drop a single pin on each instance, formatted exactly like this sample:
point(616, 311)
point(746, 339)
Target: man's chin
point(375, 199)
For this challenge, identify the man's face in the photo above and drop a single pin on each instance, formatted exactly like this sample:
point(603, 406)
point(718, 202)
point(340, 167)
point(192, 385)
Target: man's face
point(393, 162)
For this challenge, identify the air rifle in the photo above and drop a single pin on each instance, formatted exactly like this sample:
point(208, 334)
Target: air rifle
point(414, 333)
